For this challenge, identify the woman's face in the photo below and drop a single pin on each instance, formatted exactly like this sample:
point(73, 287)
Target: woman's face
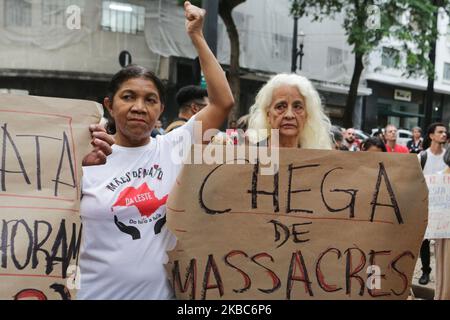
point(287, 111)
point(136, 107)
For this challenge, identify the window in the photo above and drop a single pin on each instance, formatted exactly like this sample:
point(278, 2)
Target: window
point(282, 47)
point(334, 57)
point(389, 57)
point(54, 11)
point(122, 17)
point(17, 13)
point(446, 71)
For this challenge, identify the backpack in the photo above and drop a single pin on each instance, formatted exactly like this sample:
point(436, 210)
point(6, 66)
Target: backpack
point(423, 158)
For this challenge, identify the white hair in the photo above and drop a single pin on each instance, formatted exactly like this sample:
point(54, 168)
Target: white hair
point(316, 133)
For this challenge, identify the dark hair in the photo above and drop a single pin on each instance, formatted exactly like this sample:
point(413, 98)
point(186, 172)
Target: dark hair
point(373, 142)
point(189, 94)
point(130, 72)
point(430, 130)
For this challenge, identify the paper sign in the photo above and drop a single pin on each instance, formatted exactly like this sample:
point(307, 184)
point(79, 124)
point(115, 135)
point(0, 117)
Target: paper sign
point(329, 225)
point(438, 206)
point(42, 142)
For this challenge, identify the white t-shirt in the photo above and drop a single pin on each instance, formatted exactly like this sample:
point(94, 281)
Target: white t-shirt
point(123, 213)
point(434, 163)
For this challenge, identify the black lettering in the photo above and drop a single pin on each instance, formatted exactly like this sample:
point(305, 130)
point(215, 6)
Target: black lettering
point(67, 252)
point(382, 173)
point(353, 273)
point(319, 274)
point(254, 190)
point(3, 170)
point(400, 273)
point(202, 202)
point(21, 237)
point(296, 233)
point(38, 156)
point(65, 147)
point(37, 246)
point(276, 282)
point(247, 280)
point(297, 260)
point(372, 255)
point(290, 191)
point(351, 192)
point(211, 265)
point(190, 278)
point(277, 224)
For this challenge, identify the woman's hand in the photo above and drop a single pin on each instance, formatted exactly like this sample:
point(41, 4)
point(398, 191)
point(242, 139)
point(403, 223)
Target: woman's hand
point(102, 142)
point(194, 19)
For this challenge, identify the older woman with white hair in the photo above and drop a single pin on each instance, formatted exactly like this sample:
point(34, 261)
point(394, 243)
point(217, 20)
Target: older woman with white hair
point(290, 103)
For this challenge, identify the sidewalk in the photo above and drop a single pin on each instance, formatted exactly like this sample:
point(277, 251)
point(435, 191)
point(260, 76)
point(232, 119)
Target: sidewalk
point(424, 292)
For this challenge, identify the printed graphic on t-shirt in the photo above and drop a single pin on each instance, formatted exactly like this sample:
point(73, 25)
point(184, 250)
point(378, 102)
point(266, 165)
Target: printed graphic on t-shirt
point(142, 198)
point(146, 202)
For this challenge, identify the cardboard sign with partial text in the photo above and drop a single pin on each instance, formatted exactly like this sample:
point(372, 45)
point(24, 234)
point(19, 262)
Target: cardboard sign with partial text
point(328, 225)
point(42, 142)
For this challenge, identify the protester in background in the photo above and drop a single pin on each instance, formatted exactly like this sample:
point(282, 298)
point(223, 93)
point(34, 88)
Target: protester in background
point(242, 122)
point(123, 252)
point(431, 161)
point(350, 140)
point(415, 144)
point(390, 135)
point(442, 255)
point(290, 103)
point(379, 134)
point(338, 139)
point(190, 99)
point(158, 129)
point(232, 132)
point(373, 144)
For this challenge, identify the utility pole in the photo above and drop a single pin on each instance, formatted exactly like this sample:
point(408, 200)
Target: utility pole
point(432, 56)
point(210, 25)
point(294, 45)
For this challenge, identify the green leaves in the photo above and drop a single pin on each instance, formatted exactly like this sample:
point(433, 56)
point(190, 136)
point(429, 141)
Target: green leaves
point(410, 24)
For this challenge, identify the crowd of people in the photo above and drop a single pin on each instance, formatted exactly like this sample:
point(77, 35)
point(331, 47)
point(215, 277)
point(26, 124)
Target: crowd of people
point(120, 261)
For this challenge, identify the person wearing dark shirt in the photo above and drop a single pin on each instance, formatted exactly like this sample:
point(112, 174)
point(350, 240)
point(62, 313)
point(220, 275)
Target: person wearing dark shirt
point(415, 144)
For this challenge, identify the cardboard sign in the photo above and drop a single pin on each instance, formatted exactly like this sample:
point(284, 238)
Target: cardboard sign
point(438, 206)
point(329, 225)
point(42, 142)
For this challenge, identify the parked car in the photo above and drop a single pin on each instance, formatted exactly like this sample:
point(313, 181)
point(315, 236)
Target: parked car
point(403, 135)
point(361, 135)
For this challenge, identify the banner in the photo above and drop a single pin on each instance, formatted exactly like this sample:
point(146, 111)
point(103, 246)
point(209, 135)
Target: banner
point(438, 206)
point(327, 225)
point(42, 143)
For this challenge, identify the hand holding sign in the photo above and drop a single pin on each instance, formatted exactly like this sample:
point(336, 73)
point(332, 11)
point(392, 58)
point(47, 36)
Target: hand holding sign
point(102, 142)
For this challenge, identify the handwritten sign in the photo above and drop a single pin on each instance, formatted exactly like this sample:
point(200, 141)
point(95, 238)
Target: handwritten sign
point(438, 206)
point(328, 225)
point(42, 141)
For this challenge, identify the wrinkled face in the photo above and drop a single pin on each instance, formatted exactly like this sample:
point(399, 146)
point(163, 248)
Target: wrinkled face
point(136, 106)
point(439, 135)
point(390, 133)
point(287, 111)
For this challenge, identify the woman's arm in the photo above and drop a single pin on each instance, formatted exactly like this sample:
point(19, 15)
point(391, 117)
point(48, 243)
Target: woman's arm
point(221, 99)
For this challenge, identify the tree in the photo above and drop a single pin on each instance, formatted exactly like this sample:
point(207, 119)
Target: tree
point(225, 11)
point(412, 23)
